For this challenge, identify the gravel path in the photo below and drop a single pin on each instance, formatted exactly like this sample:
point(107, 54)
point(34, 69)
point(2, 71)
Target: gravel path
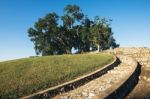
point(101, 84)
point(142, 55)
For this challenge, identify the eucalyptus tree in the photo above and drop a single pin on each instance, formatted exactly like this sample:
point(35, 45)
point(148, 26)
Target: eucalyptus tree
point(85, 35)
point(102, 35)
point(77, 31)
point(73, 15)
point(97, 35)
point(44, 34)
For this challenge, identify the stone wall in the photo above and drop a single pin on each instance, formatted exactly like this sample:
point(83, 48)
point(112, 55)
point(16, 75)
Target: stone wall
point(51, 92)
point(122, 88)
point(142, 89)
point(126, 87)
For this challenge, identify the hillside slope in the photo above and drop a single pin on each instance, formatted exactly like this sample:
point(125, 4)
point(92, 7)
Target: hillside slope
point(25, 76)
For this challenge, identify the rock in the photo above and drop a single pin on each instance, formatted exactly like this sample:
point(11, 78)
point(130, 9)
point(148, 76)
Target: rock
point(66, 97)
point(62, 89)
point(84, 93)
point(91, 95)
point(144, 77)
point(102, 88)
point(148, 80)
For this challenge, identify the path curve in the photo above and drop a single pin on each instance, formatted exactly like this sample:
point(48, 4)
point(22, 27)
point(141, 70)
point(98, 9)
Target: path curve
point(107, 86)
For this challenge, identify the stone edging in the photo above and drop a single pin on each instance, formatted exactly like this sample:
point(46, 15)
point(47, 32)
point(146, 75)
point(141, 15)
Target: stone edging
point(121, 89)
point(53, 91)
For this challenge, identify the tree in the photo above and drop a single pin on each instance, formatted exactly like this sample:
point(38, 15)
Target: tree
point(43, 35)
point(102, 35)
point(66, 38)
point(72, 15)
point(85, 35)
point(97, 34)
point(77, 31)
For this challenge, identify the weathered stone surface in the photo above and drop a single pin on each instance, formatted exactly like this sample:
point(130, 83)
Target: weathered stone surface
point(101, 84)
point(142, 55)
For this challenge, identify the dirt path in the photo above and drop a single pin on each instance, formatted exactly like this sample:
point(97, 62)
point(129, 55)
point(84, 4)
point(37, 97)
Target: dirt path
point(101, 84)
point(142, 55)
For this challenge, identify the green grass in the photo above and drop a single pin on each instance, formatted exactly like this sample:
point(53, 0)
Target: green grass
point(24, 76)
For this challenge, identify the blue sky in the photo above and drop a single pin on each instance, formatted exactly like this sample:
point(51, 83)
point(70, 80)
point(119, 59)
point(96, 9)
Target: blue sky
point(131, 21)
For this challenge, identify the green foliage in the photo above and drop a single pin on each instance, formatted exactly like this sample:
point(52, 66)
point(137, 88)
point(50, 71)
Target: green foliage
point(44, 34)
point(77, 31)
point(25, 76)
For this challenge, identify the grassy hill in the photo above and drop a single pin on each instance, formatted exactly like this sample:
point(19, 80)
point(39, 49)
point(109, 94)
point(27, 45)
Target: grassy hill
point(24, 76)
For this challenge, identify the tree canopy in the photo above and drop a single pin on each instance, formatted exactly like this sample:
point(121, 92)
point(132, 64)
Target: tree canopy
point(77, 31)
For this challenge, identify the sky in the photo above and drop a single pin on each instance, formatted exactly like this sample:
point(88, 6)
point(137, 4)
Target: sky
point(130, 25)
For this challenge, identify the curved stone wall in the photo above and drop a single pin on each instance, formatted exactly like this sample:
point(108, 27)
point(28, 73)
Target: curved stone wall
point(121, 89)
point(51, 92)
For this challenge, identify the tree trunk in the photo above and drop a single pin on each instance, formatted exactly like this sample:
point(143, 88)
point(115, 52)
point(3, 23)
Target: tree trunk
point(98, 47)
point(68, 50)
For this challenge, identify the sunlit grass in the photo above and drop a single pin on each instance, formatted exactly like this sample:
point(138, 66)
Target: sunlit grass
point(25, 76)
